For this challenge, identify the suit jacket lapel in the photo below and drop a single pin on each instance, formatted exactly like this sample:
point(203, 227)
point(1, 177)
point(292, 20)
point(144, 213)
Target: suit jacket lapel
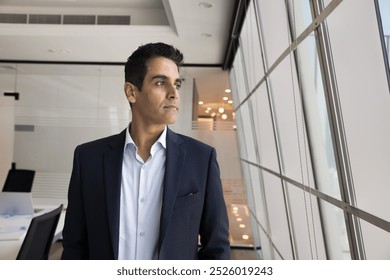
point(175, 157)
point(113, 158)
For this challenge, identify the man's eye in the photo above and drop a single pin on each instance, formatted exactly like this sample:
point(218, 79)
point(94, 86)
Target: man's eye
point(178, 86)
point(160, 83)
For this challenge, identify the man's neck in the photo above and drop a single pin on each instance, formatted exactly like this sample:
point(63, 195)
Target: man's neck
point(144, 137)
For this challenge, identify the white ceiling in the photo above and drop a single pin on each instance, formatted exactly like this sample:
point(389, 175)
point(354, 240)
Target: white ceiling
point(200, 33)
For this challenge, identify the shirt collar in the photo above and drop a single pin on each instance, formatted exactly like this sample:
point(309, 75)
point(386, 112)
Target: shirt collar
point(162, 139)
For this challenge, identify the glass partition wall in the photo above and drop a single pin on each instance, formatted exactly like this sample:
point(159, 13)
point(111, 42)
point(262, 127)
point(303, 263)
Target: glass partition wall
point(313, 116)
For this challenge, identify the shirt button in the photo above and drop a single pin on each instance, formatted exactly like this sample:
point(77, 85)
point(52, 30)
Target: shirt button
point(141, 233)
point(142, 200)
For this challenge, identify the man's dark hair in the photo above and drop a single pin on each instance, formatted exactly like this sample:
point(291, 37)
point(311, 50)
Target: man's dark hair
point(137, 63)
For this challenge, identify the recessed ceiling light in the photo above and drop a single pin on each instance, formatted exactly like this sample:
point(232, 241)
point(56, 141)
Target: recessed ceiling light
point(66, 51)
point(207, 35)
point(225, 98)
point(245, 236)
point(205, 5)
point(200, 102)
point(228, 90)
point(230, 101)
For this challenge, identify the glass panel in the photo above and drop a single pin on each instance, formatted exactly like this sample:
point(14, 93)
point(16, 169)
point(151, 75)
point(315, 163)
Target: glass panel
point(277, 215)
point(301, 14)
point(264, 130)
point(248, 132)
point(307, 224)
point(274, 26)
point(266, 246)
point(241, 136)
point(384, 14)
point(239, 72)
point(289, 120)
point(317, 118)
point(7, 118)
point(57, 101)
point(384, 8)
point(334, 231)
point(365, 101)
point(251, 48)
point(260, 207)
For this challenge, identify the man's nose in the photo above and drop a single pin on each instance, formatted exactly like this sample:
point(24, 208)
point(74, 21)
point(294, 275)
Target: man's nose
point(173, 92)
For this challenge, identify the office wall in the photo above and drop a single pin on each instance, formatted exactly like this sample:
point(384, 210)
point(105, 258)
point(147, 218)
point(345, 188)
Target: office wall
point(313, 112)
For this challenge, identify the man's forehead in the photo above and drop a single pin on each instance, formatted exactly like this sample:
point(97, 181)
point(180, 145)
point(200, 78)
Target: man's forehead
point(162, 66)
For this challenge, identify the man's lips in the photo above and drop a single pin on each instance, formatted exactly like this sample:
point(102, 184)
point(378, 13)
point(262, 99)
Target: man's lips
point(171, 107)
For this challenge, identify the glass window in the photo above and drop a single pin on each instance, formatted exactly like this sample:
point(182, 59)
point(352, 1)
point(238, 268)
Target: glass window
point(384, 14)
point(250, 43)
point(264, 129)
point(317, 119)
point(289, 120)
point(307, 224)
point(365, 101)
point(279, 230)
point(274, 26)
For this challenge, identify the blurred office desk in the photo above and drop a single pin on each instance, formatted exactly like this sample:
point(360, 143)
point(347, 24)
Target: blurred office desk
point(13, 229)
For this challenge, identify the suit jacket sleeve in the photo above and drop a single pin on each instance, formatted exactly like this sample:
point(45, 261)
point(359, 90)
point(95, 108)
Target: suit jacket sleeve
point(74, 233)
point(214, 228)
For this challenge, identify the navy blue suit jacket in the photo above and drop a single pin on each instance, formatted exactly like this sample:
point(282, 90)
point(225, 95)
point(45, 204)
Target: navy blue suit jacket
point(193, 203)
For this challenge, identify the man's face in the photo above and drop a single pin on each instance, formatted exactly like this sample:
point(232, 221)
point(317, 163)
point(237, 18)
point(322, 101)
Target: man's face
point(158, 101)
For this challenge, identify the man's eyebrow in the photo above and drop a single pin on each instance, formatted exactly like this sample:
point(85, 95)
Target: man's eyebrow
point(161, 76)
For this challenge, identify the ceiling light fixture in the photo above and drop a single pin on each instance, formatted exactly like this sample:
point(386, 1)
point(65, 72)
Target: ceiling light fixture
point(205, 5)
point(200, 102)
point(221, 110)
point(225, 98)
point(245, 236)
point(228, 90)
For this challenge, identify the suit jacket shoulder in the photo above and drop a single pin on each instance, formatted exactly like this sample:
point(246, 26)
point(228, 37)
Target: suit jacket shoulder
point(102, 143)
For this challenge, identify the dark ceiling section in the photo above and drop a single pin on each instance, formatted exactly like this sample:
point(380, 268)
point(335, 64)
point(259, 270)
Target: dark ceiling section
point(239, 12)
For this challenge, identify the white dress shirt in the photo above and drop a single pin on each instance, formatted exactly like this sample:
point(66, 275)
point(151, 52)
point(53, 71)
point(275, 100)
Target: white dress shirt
point(141, 200)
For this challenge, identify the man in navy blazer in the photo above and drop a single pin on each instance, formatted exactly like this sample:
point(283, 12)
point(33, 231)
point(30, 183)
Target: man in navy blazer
point(189, 220)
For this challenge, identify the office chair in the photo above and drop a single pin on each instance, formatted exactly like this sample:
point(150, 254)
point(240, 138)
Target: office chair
point(37, 243)
point(19, 180)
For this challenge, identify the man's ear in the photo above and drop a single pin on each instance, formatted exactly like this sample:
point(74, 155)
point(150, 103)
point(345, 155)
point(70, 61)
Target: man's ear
point(130, 92)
